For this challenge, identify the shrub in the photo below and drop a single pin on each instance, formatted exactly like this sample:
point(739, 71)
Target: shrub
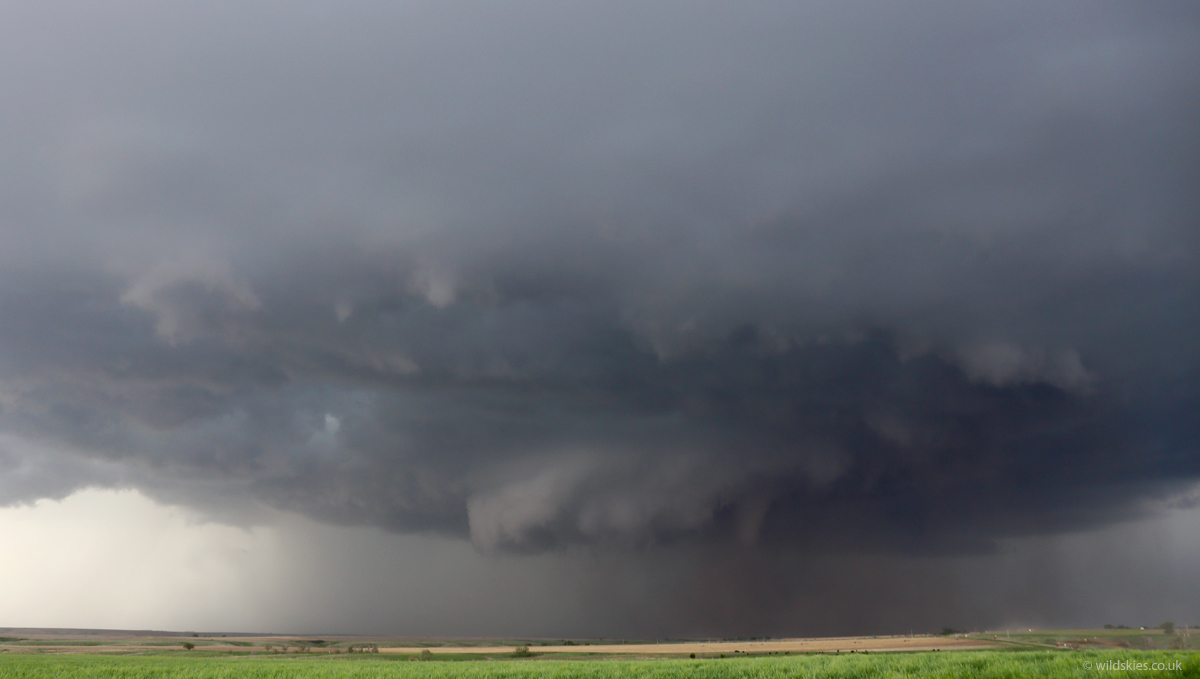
point(187, 645)
point(426, 655)
point(521, 652)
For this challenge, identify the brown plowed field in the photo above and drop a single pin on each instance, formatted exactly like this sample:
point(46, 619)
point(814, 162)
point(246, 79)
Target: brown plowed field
point(103, 642)
point(823, 645)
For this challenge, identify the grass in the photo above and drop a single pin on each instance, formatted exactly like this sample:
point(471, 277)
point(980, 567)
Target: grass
point(982, 664)
point(1098, 639)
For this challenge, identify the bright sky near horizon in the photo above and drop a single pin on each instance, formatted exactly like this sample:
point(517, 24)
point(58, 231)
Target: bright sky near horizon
point(115, 559)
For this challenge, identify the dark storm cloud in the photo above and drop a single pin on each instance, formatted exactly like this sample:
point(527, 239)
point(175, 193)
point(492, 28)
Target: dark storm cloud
point(904, 279)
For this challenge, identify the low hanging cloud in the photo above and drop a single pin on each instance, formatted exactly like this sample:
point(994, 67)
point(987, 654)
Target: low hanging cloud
point(887, 280)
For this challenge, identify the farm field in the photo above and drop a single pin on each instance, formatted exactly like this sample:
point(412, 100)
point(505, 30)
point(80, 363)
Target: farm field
point(23, 641)
point(1095, 639)
point(100, 643)
point(820, 645)
point(982, 664)
point(84, 654)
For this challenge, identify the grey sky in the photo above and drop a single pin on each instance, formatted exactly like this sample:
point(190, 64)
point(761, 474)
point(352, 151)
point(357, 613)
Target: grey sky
point(786, 284)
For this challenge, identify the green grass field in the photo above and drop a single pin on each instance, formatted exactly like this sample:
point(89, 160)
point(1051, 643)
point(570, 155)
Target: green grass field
point(1093, 639)
point(981, 664)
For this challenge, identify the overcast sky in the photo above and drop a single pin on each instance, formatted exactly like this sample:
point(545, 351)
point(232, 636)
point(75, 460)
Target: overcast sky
point(609, 319)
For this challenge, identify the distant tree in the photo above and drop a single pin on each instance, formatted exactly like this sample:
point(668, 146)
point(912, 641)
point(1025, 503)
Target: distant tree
point(1168, 627)
point(187, 645)
point(692, 656)
point(521, 652)
point(947, 631)
point(426, 655)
